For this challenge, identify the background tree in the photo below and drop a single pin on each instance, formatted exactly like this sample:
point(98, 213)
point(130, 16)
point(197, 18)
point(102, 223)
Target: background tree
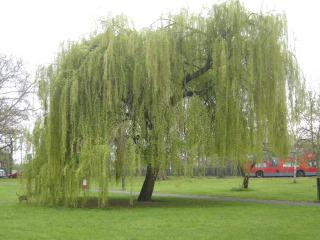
point(14, 106)
point(196, 87)
point(309, 128)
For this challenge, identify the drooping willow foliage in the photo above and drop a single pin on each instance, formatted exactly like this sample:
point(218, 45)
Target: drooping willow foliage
point(176, 95)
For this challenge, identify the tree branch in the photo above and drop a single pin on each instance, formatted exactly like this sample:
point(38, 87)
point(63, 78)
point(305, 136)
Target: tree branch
point(198, 73)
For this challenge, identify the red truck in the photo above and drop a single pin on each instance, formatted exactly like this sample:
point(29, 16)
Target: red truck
point(276, 167)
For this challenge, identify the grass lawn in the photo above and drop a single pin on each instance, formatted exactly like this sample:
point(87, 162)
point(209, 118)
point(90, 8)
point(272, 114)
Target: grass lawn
point(259, 188)
point(164, 218)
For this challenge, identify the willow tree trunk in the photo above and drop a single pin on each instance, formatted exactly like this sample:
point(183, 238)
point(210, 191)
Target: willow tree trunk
point(148, 184)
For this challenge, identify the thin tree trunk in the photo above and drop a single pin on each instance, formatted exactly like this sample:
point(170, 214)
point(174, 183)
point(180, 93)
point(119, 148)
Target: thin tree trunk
point(318, 188)
point(123, 183)
point(245, 172)
point(10, 163)
point(148, 185)
point(295, 164)
point(245, 183)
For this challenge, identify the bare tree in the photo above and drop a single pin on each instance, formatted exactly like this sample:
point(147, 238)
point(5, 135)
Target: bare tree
point(310, 129)
point(15, 88)
point(310, 121)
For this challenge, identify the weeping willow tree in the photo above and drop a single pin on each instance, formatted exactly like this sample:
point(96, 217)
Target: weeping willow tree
point(193, 88)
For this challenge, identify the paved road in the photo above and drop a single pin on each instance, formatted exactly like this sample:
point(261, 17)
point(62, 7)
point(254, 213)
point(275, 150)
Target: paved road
point(227, 199)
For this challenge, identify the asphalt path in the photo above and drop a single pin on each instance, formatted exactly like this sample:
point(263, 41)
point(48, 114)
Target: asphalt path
point(226, 199)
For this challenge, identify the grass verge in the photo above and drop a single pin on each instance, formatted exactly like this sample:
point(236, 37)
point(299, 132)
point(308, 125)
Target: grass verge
point(163, 218)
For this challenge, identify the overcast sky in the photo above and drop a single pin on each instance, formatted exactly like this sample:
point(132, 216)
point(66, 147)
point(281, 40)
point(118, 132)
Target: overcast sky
point(34, 29)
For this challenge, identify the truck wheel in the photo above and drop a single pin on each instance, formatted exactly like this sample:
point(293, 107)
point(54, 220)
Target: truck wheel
point(300, 173)
point(259, 174)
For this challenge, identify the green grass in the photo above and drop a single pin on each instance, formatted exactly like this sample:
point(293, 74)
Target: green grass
point(259, 188)
point(164, 218)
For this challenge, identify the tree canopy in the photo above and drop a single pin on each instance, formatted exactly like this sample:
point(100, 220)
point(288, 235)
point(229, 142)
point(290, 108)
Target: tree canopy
point(206, 86)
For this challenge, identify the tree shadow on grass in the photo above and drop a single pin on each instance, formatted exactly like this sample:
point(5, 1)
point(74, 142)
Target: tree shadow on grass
point(241, 189)
point(121, 202)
